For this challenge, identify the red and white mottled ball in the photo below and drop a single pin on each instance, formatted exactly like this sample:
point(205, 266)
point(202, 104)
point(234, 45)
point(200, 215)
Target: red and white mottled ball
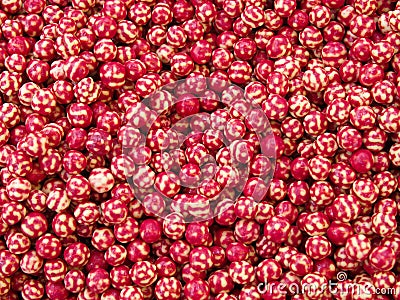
point(143, 273)
point(300, 264)
point(168, 287)
point(48, 246)
point(34, 224)
point(241, 272)
point(101, 180)
point(77, 254)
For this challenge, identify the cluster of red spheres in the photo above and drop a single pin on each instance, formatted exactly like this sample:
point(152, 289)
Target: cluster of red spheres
point(74, 74)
